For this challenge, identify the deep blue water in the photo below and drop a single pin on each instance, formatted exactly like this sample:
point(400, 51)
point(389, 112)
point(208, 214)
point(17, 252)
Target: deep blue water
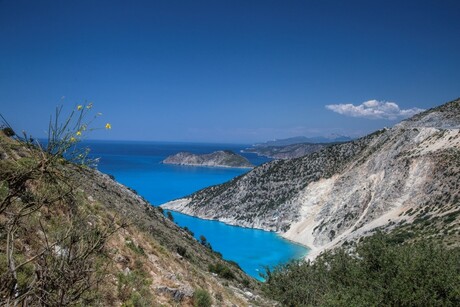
point(138, 166)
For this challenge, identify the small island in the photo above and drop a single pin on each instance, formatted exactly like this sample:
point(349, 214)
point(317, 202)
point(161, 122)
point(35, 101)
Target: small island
point(222, 158)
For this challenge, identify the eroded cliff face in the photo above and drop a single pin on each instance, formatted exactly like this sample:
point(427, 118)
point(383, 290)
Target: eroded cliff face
point(394, 177)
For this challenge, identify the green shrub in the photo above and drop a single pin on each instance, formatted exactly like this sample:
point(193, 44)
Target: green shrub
point(188, 231)
point(221, 270)
point(205, 242)
point(201, 298)
point(379, 272)
point(8, 131)
point(181, 250)
point(134, 288)
point(136, 248)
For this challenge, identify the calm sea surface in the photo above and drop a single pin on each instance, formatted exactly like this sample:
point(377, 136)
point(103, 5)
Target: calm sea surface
point(138, 166)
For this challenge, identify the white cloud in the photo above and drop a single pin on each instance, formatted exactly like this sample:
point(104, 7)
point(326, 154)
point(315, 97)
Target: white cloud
point(374, 109)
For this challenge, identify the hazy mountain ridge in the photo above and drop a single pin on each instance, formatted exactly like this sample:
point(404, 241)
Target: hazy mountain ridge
point(333, 138)
point(295, 147)
point(222, 158)
point(403, 176)
point(287, 151)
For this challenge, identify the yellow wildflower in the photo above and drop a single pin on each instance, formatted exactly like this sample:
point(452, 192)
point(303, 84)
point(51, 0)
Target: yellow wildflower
point(79, 107)
point(108, 126)
point(73, 140)
point(78, 133)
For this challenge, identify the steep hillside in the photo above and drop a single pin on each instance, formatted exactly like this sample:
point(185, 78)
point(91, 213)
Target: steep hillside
point(406, 177)
point(71, 235)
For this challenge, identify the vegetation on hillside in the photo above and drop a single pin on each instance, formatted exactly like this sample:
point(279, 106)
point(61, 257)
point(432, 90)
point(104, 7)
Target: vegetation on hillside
point(378, 271)
point(52, 245)
point(70, 235)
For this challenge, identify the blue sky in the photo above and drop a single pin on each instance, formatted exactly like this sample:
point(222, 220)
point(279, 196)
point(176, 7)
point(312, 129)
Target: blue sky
point(227, 71)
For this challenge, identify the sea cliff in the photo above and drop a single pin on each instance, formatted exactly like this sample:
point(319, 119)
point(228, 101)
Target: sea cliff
point(403, 177)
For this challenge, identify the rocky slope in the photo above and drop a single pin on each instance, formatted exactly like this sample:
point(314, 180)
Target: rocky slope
point(406, 177)
point(222, 158)
point(98, 243)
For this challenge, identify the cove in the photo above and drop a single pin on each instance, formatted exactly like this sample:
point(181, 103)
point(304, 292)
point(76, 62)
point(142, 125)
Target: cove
point(138, 166)
point(252, 249)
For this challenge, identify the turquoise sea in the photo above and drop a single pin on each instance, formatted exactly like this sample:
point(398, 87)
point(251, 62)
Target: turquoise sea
point(138, 166)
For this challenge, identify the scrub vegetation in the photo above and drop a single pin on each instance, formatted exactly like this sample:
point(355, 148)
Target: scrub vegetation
point(53, 247)
point(70, 235)
point(378, 271)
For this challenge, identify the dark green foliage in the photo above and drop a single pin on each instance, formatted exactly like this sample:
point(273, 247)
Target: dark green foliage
point(169, 216)
point(379, 272)
point(132, 190)
point(235, 264)
point(181, 250)
point(221, 270)
point(133, 288)
point(201, 298)
point(188, 231)
point(8, 131)
point(205, 242)
point(450, 217)
point(5, 127)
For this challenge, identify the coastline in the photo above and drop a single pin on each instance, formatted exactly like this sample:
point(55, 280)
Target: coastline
point(182, 202)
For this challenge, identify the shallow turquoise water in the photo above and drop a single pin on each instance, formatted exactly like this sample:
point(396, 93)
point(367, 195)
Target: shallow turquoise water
point(252, 249)
point(138, 166)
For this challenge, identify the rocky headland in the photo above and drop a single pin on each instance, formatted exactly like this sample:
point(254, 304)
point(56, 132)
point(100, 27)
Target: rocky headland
point(222, 158)
point(404, 179)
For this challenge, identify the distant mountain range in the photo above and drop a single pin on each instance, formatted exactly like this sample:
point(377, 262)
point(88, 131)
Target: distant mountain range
point(295, 147)
point(287, 151)
point(333, 138)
